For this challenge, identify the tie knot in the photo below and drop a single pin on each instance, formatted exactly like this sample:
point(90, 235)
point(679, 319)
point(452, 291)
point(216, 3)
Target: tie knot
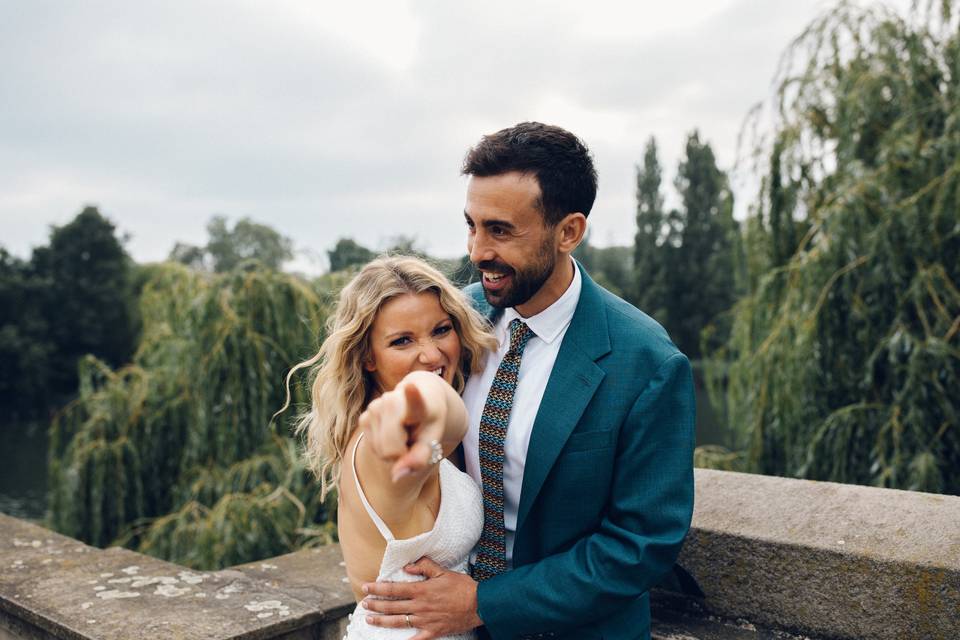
point(519, 334)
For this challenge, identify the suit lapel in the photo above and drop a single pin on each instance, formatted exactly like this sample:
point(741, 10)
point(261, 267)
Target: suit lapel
point(573, 381)
point(475, 291)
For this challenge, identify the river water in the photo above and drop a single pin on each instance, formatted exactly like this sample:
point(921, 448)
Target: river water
point(23, 470)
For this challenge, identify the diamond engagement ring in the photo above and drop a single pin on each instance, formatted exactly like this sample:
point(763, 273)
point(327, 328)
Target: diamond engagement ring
point(436, 452)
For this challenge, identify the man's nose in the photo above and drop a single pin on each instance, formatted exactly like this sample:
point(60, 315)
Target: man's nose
point(478, 250)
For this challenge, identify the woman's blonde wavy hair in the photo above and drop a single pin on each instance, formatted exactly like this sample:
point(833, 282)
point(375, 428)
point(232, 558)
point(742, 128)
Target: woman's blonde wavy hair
point(341, 387)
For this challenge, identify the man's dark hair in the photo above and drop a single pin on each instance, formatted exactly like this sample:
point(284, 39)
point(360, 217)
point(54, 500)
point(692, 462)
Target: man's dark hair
point(559, 161)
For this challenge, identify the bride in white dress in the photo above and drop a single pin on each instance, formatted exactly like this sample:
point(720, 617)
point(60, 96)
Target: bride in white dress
point(385, 414)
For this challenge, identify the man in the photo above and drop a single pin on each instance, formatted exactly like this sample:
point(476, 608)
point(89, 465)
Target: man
point(589, 492)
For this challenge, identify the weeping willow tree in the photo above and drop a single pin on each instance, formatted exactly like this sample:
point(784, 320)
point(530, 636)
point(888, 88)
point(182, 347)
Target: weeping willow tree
point(845, 354)
point(175, 455)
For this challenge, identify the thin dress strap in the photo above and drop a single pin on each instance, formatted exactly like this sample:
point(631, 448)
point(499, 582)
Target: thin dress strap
point(377, 520)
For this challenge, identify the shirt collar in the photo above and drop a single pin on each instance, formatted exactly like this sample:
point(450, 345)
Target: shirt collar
point(550, 323)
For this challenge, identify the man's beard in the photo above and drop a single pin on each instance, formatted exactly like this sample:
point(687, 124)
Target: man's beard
point(525, 282)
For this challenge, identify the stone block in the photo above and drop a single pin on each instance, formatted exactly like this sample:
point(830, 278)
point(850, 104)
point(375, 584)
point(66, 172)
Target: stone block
point(834, 560)
point(52, 586)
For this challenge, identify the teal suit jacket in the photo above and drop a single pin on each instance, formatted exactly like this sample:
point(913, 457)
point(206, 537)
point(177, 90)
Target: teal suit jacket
point(607, 491)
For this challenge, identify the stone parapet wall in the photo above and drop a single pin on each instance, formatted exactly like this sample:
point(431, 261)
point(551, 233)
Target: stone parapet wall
point(52, 586)
point(766, 558)
point(832, 560)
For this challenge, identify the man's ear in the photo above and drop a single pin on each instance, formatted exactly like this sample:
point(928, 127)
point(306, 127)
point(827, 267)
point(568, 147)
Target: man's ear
point(570, 231)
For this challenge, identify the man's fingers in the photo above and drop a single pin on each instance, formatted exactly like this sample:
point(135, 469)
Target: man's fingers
point(401, 622)
point(442, 606)
point(393, 622)
point(388, 607)
point(393, 590)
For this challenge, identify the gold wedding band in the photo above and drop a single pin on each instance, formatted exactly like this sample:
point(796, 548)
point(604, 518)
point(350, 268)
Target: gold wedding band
point(406, 617)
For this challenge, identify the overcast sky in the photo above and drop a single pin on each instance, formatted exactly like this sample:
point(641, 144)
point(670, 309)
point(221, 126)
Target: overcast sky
point(327, 119)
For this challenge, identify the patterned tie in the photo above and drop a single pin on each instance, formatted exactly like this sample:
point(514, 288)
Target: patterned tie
point(492, 549)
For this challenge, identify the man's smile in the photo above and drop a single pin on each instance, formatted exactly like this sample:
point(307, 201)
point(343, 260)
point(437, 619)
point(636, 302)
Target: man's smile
point(495, 281)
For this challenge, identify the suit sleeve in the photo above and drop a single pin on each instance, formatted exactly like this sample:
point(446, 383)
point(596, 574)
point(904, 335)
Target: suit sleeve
point(637, 542)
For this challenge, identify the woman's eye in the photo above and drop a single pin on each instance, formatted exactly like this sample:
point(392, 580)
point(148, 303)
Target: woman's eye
point(444, 330)
point(398, 342)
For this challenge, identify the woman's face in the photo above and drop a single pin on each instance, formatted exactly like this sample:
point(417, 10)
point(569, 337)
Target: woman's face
point(412, 332)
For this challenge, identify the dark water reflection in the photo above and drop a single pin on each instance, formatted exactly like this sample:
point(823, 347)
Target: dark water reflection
point(23, 469)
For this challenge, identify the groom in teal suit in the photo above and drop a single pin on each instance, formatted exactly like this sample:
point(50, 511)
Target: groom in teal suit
point(588, 487)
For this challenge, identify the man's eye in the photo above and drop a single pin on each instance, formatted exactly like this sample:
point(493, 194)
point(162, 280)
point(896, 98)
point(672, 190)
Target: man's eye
point(498, 231)
point(397, 342)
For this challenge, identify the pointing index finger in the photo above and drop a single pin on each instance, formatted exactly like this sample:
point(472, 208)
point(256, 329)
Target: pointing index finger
point(416, 408)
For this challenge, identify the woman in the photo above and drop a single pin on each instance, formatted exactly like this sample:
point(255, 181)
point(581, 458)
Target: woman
point(385, 413)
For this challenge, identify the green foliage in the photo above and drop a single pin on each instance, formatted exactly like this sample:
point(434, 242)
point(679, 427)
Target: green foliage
point(717, 457)
point(253, 509)
point(686, 262)
point(227, 249)
point(405, 245)
point(846, 353)
point(347, 253)
point(611, 267)
point(176, 449)
point(73, 297)
point(703, 265)
point(650, 290)
point(26, 348)
point(189, 255)
point(89, 274)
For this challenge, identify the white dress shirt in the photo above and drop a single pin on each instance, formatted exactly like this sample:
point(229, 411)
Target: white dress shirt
point(539, 355)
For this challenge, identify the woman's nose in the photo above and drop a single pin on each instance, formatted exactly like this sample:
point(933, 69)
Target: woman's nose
point(429, 353)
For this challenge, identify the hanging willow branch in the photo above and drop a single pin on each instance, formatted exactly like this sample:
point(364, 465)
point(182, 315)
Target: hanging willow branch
point(175, 454)
point(844, 359)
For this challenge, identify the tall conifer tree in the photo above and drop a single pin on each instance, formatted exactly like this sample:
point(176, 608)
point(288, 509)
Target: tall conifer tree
point(649, 252)
point(702, 268)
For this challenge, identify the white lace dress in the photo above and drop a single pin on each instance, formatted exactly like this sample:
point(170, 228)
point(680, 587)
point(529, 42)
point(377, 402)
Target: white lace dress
point(454, 534)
